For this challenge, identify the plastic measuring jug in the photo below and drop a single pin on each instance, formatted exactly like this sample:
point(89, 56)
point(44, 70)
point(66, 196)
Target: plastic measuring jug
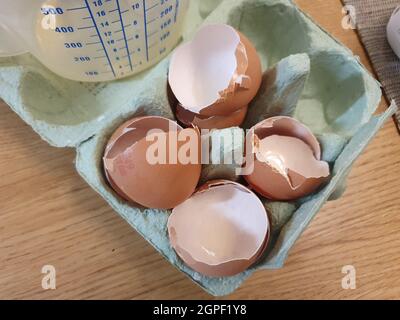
point(92, 40)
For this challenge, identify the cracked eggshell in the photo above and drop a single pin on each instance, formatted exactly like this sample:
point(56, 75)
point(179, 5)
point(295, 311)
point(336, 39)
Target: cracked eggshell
point(287, 160)
point(217, 73)
point(135, 179)
point(221, 230)
point(127, 134)
point(188, 119)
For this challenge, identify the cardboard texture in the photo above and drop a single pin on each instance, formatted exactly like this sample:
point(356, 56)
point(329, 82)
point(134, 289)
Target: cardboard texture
point(308, 75)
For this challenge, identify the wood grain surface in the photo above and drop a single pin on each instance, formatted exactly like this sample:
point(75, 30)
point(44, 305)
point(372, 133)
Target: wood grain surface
point(48, 215)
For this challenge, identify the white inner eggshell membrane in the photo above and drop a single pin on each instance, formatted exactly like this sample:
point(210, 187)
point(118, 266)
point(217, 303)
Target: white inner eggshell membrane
point(283, 153)
point(293, 128)
point(200, 70)
point(219, 225)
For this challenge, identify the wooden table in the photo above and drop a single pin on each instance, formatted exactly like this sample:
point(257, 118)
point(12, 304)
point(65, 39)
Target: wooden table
point(49, 215)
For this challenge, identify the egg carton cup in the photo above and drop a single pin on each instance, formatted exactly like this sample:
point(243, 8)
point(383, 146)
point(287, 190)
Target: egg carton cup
point(308, 75)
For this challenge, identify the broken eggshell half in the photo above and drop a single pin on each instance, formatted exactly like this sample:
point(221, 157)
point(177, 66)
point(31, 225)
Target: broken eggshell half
point(222, 230)
point(148, 182)
point(287, 160)
point(189, 119)
point(216, 74)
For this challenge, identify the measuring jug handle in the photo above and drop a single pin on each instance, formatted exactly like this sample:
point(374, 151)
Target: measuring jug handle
point(10, 45)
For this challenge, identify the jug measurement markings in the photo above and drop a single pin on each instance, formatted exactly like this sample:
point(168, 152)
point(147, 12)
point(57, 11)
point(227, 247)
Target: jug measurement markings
point(73, 9)
point(83, 28)
point(176, 10)
point(145, 30)
point(123, 30)
point(101, 39)
point(84, 39)
point(147, 24)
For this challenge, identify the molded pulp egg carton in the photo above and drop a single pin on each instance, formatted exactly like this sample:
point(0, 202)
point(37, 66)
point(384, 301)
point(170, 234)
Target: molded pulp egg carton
point(308, 75)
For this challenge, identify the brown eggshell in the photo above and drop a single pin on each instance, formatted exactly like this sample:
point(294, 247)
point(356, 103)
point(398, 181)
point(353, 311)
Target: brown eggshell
point(217, 73)
point(287, 126)
point(272, 183)
point(129, 133)
point(240, 96)
point(158, 186)
point(188, 119)
point(115, 187)
point(136, 129)
point(221, 230)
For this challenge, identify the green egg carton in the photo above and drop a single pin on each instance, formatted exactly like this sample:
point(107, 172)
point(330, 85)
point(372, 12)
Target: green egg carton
point(308, 75)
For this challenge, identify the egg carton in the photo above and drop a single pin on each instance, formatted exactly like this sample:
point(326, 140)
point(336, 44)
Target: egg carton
point(308, 75)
